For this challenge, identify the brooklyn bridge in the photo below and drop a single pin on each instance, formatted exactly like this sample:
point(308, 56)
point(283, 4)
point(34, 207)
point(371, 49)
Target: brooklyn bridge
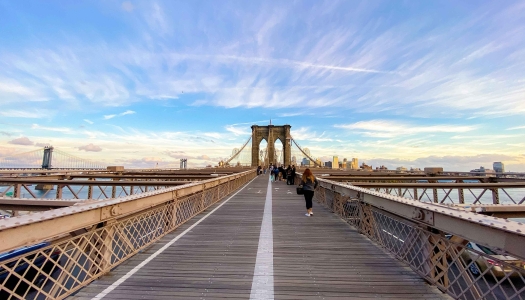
point(78, 229)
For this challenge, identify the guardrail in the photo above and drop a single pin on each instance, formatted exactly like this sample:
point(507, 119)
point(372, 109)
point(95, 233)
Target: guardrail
point(466, 255)
point(84, 189)
point(57, 252)
point(453, 193)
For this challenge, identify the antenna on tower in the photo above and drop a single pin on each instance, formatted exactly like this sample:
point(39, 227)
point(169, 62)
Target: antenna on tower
point(270, 121)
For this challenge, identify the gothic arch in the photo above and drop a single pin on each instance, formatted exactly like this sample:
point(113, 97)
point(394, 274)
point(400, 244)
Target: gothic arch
point(271, 134)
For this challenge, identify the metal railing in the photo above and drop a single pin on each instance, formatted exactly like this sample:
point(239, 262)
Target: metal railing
point(453, 193)
point(55, 253)
point(466, 255)
point(83, 189)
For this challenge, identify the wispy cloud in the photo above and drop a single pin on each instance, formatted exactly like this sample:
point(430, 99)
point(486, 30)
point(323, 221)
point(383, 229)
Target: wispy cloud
point(386, 128)
point(127, 112)
point(29, 114)
point(56, 129)
point(90, 148)
point(88, 121)
point(516, 128)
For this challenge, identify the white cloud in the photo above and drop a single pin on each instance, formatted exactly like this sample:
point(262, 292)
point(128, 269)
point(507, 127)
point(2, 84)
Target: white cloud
point(127, 112)
point(516, 128)
point(238, 130)
point(24, 141)
point(90, 148)
point(56, 129)
point(88, 121)
point(385, 128)
point(29, 114)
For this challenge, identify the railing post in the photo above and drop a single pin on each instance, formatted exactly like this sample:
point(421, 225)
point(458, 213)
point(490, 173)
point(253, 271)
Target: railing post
point(60, 188)
point(18, 190)
point(131, 189)
point(461, 195)
point(495, 196)
point(90, 189)
point(114, 189)
point(203, 197)
point(416, 197)
point(435, 193)
point(174, 210)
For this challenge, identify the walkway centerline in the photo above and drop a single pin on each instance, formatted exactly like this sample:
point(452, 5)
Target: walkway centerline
point(262, 284)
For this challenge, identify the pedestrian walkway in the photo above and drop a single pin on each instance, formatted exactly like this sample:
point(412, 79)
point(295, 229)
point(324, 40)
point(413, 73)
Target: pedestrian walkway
point(262, 230)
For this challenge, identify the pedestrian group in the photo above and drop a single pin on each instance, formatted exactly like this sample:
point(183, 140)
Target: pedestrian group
point(308, 181)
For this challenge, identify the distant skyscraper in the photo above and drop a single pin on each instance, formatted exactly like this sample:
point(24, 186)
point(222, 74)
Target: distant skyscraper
point(335, 162)
point(305, 162)
point(498, 167)
point(355, 164)
point(345, 163)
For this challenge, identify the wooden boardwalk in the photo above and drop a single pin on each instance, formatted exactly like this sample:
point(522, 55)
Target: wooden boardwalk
point(318, 257)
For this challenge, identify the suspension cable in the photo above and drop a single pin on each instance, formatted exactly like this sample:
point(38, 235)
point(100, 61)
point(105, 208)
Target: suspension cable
point(301, 149)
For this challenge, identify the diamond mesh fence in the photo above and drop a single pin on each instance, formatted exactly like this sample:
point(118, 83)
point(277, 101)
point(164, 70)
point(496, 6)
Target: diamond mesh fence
point(59, 267)
point(461, 268)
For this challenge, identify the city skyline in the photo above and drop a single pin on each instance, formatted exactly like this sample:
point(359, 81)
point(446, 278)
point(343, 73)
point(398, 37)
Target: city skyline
point(389, 82)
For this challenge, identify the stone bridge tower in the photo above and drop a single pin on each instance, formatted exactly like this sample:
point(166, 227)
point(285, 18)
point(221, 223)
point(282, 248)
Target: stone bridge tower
point(271, 133)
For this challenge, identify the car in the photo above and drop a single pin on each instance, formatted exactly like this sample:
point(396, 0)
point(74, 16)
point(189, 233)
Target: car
point(23, 268)
point(480, 263)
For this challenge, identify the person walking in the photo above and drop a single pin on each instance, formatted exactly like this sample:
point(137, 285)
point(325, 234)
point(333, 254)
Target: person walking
point(309, 183)
point(276, 173)
point(289, 175)
point(272, 178)
point(293, 174)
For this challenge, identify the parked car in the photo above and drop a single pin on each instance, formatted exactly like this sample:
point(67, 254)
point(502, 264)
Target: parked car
point(23, 268)
point(482, 263)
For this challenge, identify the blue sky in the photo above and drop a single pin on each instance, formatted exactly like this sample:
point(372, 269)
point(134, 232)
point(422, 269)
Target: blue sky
point(412, 83)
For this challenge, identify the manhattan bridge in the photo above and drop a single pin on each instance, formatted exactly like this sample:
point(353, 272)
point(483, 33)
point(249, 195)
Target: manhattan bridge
point(78, 229)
